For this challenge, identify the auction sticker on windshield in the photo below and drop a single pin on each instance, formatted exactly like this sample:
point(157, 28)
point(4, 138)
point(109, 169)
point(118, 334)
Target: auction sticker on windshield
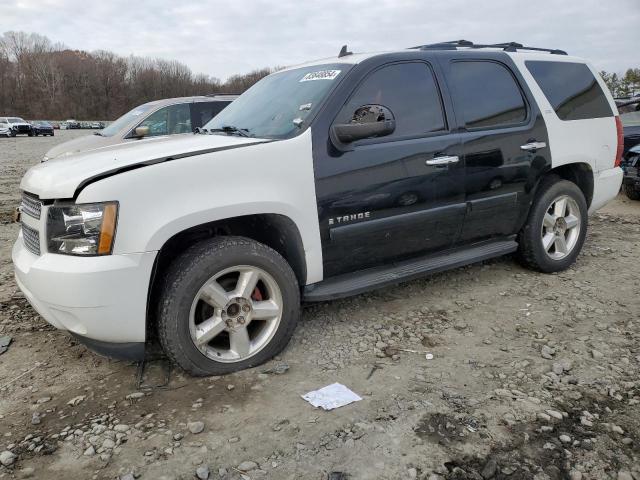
point(321, 75)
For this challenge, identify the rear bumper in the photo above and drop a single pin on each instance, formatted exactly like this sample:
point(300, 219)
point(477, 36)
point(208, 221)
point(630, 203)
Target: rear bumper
point(606, 185)
point(100, 300)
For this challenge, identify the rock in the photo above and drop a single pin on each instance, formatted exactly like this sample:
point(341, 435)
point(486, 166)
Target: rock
point(76, 400)
point(108, 444)
point(557, 368)
point(89, 452)
point(247, 466)
point(597, 354)
point(544, 417)
point(7, 458)
point(202, 472)
point(547, 352)
point(575, 475)
point(43, 400)
point(503, 392)
point(412, 472)
point(134, 395)
point(555, 414)
point(489, 469)
point(128, 476)
point(195, 427)
point(565, 438)
point(624, 475)
point(122, 428)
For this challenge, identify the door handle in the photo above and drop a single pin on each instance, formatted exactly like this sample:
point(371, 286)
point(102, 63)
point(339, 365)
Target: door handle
point(443, 160)
point(532, 146)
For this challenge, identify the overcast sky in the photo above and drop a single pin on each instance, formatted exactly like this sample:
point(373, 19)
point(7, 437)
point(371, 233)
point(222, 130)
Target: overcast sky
point(222, 38)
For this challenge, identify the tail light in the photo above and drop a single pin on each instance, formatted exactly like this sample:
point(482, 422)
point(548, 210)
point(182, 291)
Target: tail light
point(620, 132)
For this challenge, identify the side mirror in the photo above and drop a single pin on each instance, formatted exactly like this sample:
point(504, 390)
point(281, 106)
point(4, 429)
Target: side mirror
point(141, 132)
point(368, 121)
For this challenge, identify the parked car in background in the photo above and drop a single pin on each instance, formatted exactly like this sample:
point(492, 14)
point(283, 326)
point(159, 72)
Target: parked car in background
point(629, 110)
point(42, 128)
point(71, 124)
point(97, 125)
point(171, 116)
point(17, 126)
point(631, 168)
point(5, 131)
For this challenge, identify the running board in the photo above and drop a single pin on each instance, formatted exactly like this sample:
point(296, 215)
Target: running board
point(372, 278)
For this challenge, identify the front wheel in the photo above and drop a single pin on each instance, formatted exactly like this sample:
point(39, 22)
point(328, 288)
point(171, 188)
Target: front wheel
point(557, 226)
point(631, 192)
point(227, 304)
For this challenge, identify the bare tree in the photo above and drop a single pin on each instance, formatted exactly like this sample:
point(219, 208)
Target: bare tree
point(39, 79)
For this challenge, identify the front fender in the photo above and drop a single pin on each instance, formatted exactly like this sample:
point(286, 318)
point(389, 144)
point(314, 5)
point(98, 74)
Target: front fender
point(158, 201)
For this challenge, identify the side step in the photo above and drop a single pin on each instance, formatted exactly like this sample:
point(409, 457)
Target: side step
point(372, 278)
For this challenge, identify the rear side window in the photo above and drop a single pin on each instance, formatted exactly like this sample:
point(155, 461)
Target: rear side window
point(571, 89)
point(409, 90)
point(487, 95)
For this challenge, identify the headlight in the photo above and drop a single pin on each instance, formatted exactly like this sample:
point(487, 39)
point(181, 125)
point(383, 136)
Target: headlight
point(85, 229)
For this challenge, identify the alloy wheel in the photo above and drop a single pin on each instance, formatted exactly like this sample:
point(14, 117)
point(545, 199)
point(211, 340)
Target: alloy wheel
point(561, 227)
point(235, 314)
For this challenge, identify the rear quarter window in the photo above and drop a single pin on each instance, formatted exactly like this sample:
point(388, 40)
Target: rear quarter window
point(571, 89)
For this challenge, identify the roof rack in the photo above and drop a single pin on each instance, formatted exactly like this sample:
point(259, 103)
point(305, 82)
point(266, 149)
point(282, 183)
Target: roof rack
point(507, 46)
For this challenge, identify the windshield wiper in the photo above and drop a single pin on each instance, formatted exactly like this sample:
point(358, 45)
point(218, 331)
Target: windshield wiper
point(231, 130)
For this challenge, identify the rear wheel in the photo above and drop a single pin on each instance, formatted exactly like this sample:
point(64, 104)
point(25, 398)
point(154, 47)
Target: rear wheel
point(555, 231)
point(632, 192)
point(227, 304)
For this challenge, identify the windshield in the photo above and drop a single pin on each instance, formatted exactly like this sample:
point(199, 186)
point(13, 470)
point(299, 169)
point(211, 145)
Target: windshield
point(278, 105)
point(126, 119)
point(630, 119)
point(15, 120)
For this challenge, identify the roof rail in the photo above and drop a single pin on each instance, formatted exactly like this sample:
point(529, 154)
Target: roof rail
point(506, 46)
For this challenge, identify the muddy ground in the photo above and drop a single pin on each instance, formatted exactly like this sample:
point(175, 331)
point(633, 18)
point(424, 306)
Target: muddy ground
point(533, 377)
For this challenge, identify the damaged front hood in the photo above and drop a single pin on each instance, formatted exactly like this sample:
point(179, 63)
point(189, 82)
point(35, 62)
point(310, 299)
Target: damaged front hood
point(64, 176)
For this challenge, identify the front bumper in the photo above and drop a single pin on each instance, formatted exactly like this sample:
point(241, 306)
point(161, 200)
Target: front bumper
point(606, 185)
point(100, 300)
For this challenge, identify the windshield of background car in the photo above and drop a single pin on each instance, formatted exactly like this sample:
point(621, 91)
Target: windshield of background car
point(126, 119)
point(16, 120)
point(630, 115)
point(278, 106)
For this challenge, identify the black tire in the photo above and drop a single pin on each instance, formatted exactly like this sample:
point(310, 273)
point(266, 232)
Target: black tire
point(13, 134)
point(30, 134)
point(631, 192)
point(190, 271)
point(531, 252)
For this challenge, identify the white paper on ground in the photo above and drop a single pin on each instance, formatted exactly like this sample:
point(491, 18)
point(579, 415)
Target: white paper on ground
point(332, 396)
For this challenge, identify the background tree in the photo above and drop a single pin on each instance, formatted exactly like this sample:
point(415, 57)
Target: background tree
point(42, 80)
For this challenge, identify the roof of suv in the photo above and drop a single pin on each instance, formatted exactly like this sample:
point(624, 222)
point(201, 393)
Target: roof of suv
point(510, 48)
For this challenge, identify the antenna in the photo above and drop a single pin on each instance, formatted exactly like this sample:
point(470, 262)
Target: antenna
point(344, 52)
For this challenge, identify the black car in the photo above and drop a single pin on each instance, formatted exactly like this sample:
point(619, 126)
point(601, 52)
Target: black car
point(631, 167)
point(42, 128)
point(629, 110)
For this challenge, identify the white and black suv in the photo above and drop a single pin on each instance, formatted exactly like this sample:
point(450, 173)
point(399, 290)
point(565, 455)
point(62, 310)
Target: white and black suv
point(321, 181)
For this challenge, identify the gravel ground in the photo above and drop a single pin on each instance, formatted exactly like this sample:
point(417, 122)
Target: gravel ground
point(532, 377)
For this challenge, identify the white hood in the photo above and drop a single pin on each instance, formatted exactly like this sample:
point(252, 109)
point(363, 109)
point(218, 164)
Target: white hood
point(62, 177)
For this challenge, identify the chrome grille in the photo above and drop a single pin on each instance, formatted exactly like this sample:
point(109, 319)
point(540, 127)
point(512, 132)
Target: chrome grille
point(31, 239)
point(31, 205)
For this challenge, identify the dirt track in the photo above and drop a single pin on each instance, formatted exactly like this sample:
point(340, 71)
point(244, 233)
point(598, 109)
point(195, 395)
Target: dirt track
point(488, 405)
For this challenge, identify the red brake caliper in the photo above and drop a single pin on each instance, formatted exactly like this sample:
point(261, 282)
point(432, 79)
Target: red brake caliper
point(256, 295)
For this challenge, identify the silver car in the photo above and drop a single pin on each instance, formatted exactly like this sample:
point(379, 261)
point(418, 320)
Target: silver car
point(171, 116)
